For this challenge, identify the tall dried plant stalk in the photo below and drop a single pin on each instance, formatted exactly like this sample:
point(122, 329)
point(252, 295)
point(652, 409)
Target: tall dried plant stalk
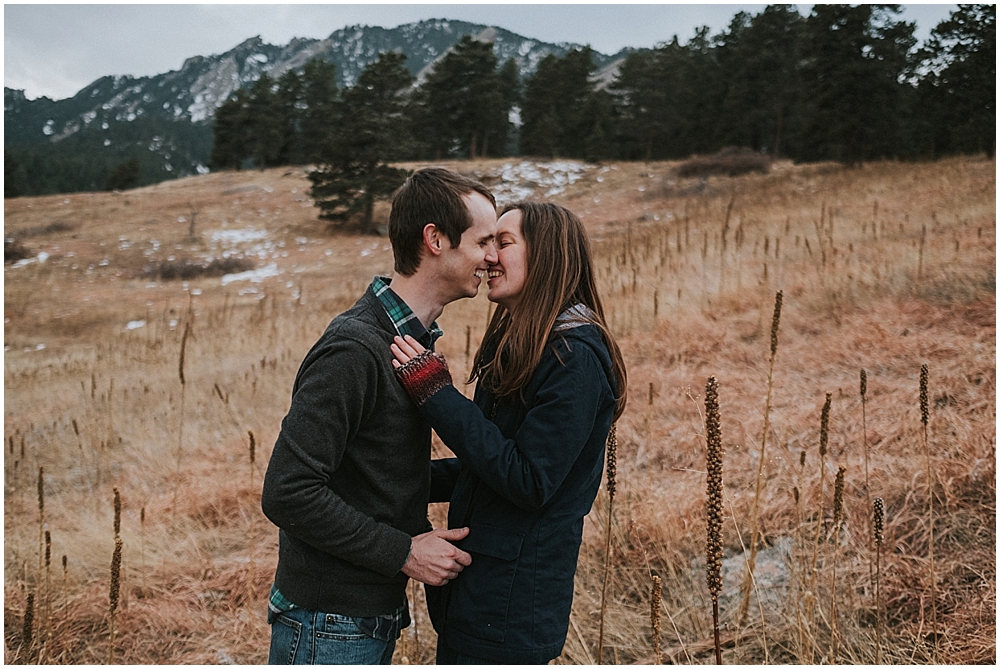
point(41, 516)
point(118, 512)
point(48, 581)
point(713, 505)
point(180, 430)
point(838, 517)
point(824, 435)
point(612, 468)
point(655, 599)
point(116, 568)
point(759, 484)
point(28, 627)
point(924, 418)
point(250, 567)
point(797, 578)
point(142, 545)
point(878, 524)
point(864, 436)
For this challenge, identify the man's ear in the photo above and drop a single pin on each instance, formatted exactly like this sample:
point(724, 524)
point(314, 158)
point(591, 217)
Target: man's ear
point(432, 239)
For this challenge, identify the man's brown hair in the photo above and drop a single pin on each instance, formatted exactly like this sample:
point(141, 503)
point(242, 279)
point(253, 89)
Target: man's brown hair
point(431, 195)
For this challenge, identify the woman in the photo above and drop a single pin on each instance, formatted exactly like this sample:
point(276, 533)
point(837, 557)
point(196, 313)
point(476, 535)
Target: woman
point(530, 445)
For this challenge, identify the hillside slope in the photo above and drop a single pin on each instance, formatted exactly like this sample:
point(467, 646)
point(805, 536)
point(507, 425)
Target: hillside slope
point(884, 267)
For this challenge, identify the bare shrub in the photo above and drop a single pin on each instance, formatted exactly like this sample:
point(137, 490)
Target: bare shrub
point(14, 250)
point(42, 230)
point(188, 269)
point(730, 162)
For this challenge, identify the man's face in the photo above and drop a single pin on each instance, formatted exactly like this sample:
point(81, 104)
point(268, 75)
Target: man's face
point(465, 266)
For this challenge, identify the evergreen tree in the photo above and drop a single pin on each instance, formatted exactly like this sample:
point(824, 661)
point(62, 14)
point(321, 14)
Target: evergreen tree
point(370, 132)
point(646, 91)
point(856, 62)
point(12, 175)
point(465, 101)
point(291, 95)
point(510, 94)
point(320, 99)
point(125, 176)
point(698, 91)
point(958, 91)
point(759, 57)
point(599, 117)
point(264, 123)
point(229, 147)
point(556, 104)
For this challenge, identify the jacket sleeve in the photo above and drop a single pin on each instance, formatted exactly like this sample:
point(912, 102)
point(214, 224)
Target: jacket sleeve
point(528, 469)
point(333, 395)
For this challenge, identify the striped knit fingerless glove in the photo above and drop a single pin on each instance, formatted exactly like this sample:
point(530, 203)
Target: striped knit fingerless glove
point(423, 376)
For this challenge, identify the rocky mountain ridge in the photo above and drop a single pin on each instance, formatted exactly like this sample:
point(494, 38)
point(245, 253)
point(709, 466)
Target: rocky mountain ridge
point(191, 94)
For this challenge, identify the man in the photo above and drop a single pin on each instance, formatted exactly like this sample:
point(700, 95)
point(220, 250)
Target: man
point(349, 478)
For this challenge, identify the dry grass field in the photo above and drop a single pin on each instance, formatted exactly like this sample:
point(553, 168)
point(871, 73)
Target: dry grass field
point(171, 392)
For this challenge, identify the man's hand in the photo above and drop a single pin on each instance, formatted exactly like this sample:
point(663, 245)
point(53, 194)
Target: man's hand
point(435, 561)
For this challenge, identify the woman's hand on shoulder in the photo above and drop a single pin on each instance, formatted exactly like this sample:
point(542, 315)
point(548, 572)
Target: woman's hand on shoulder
point(404, 350)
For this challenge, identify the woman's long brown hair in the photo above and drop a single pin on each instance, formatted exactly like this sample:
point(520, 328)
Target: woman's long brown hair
point(560, 274)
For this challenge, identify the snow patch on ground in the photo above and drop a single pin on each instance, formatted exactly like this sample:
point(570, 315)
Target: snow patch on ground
point(243, 236)
point(254, 275)
point(519, 181)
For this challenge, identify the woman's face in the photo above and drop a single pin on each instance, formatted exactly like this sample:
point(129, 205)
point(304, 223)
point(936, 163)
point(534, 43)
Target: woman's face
point(507, 276)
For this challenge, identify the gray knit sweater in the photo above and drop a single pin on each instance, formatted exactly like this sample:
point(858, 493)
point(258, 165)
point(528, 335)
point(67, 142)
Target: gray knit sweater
point(349, 477)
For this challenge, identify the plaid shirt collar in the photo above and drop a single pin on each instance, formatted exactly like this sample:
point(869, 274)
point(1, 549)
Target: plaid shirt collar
point(402, 316)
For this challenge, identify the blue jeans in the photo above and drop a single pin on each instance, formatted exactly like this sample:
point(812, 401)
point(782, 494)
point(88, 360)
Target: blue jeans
point(300, 636)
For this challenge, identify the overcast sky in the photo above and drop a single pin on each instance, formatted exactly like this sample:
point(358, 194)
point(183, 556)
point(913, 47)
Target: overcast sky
point(55, 50)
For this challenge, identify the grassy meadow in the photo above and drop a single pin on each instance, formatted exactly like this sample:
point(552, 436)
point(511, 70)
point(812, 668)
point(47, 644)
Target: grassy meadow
point(168, 393)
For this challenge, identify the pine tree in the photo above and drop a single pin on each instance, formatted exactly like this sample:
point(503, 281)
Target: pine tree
point(291, 100)
point(759, 58)
point(12, 175)
point(369, 132)
point(264, 120)
point(856, 63)
point(229, 147)
point(465, 100)
point(125, 176)
point(320, 99)
point(510, 94)
point(957, 94)
point(555, 110)
point(599, 118)
point(645, 104)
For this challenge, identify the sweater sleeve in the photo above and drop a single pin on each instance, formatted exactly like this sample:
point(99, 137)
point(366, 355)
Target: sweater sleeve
point(528, 469)
point(334, 393)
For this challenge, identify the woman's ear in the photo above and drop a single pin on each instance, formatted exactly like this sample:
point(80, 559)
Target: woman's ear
point(432, 239)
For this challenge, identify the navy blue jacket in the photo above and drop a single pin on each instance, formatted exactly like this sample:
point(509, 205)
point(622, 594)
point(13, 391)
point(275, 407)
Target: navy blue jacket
point(528, 471)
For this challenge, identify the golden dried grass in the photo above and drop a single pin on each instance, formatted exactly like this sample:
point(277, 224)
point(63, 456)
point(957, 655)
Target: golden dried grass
point(688, 298)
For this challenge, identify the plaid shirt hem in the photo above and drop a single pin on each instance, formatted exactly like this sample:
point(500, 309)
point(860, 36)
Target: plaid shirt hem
point(398, 619)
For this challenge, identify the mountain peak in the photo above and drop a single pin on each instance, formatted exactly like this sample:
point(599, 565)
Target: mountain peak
point(181, 103)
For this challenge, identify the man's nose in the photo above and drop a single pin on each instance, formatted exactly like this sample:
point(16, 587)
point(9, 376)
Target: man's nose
point(491, 253)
